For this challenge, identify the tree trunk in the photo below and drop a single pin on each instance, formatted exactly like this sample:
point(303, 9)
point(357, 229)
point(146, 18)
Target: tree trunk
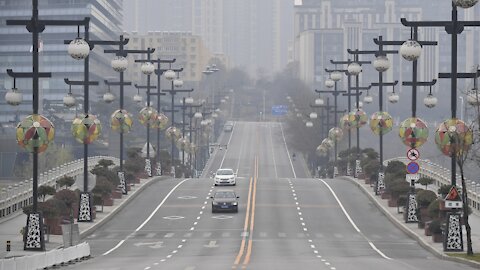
point(465, 213)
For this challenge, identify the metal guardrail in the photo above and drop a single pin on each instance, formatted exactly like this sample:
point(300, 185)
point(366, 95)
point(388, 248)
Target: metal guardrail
point(14, 197)
point(441, 176)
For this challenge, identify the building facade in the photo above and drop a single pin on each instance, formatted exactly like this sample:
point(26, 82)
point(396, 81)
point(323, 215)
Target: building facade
point(106, 18)
point(189, 51)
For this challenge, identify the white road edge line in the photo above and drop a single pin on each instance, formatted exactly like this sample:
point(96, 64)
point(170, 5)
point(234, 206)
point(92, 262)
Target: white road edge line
point(273, 152)
point(353, 223)
point(148, 219)
point(288, 153)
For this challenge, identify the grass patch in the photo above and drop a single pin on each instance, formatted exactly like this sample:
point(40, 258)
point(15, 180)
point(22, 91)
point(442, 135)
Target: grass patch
point(474, 257)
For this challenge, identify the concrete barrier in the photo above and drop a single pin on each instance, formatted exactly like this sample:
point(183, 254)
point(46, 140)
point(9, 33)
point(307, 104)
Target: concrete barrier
point(52, 258)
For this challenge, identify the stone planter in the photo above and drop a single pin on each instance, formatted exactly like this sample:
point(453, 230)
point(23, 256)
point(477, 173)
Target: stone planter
point(117, 194)
point(392, 202)
point(427, 229)
point(53, 225)
point(421, 224)
point(437, 238)
point(108, 201)
point(385, 196)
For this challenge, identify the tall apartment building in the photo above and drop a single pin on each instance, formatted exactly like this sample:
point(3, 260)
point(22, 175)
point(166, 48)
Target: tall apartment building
point(15, 44)
point(189, 51)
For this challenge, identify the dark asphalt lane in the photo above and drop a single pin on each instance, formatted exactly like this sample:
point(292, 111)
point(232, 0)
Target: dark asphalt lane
point(285, 221)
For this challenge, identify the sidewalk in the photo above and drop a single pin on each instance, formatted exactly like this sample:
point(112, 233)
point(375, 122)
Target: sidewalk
point(10, 228)
point(413, 231)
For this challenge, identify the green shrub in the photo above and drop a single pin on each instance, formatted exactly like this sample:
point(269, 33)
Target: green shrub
point(434, 209)
point(45, 190)
point(103, 187)
point(66, 181)
point(425, 197)
point(443, 190)
point(398, 188)
point(425, 181)
point(435, 226)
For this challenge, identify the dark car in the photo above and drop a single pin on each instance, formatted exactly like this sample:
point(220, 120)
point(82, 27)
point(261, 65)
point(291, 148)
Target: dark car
point(224, 200)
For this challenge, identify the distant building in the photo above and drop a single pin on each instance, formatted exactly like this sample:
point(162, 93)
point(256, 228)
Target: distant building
point(188, 50)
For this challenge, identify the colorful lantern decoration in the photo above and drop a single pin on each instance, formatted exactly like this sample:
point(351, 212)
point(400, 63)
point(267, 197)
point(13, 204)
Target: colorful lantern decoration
point(335, 134)
point(121, 121)
point(161, 121)
point(183, 144)
point(86, 128)
point(322, 150)
point(453, 137)
point(328, 143)
point(381, 123)
point(413, 132)
point(345, 122)
point(148, 116)
point(357, 118)
point(34, 133)
point(173, 132)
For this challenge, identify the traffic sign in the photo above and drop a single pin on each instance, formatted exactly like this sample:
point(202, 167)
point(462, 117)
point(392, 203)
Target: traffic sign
point(279, 110)
point(413, 154)
point(413, 167)
point(453, 200)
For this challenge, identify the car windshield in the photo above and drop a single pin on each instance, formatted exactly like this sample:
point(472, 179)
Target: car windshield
point(225, 195)
point(224, 172)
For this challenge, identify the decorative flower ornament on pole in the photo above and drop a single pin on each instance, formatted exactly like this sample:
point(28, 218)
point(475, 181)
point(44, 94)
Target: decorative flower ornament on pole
point(309, 124)
point(473, 97)
point(173, 132)
point(357, 118)
point(147, 116)
point(345, 123)
point(393, 98)
point(78, 49)
point(161, 121)
point(177, 83)
point(381, 123)
point(313, 115)
point(121, 121)
point(319, 101)
point(14, 97)
point(335, 134)
point(411, 50)
point(34, 133)
point(108, 97)
point(119, 63)
point(453, 137)
point(321, 150)
point(69, 99)
point(86, 128)
point(465, 3)
point(170, 75)
point(328, 143)
point(413, 132)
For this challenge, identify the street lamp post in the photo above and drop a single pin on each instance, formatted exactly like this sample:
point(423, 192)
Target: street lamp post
point(170, 75)
point(34, 234)
point(147, 68)
point(454, 27)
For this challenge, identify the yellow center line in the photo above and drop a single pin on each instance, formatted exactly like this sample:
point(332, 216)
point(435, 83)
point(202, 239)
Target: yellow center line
point(245, 227)
point(252, 220)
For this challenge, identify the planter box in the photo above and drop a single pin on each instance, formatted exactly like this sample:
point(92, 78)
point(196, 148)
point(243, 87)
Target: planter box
point(108, 201)
point(53, 226)
point(117, 194)
point(427, 229)
point(437, 237)
point(386, 195)
point(137, 180)
point(421, 224)
point(392, 202)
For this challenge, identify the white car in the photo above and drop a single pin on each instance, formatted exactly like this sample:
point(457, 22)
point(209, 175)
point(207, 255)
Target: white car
point(225, 177)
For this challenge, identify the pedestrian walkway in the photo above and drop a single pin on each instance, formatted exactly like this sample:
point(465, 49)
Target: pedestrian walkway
point(419, 234)
point(10, 228)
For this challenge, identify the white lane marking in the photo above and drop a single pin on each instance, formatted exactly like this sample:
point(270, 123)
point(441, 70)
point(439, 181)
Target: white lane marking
point(175, 251)
point(155, 263)
point(186, 197)
point(198, 218)
point(273, 152)
point(195, 223)
point(203, 207)
point(201, 212)
point(288, 153)
point(222, 217)
point(149, 217)
point(180, 246)
point(211, 244)
point(154, 245)
point(169, 256)
point(192, 228)
point(353, 223)
point(316, 252)
point(169, 235)
point(173, 217)
point(184, 240)
point(146, 268)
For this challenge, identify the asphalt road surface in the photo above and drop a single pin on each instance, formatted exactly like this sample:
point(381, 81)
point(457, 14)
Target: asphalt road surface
point(286, 220)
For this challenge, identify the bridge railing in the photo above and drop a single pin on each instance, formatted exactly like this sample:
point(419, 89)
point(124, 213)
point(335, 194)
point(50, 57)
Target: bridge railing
point(14, 197)
point(442, 176)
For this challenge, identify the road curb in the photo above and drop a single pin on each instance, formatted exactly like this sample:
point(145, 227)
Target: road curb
point(120, 206)
point(407, 230)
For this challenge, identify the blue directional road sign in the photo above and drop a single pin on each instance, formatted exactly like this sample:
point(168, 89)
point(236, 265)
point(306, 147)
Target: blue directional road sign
point(279, 110)
point(413, 167)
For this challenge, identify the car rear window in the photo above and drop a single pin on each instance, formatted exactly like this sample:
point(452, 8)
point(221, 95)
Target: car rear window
point(224, 172)
point(223, 195)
